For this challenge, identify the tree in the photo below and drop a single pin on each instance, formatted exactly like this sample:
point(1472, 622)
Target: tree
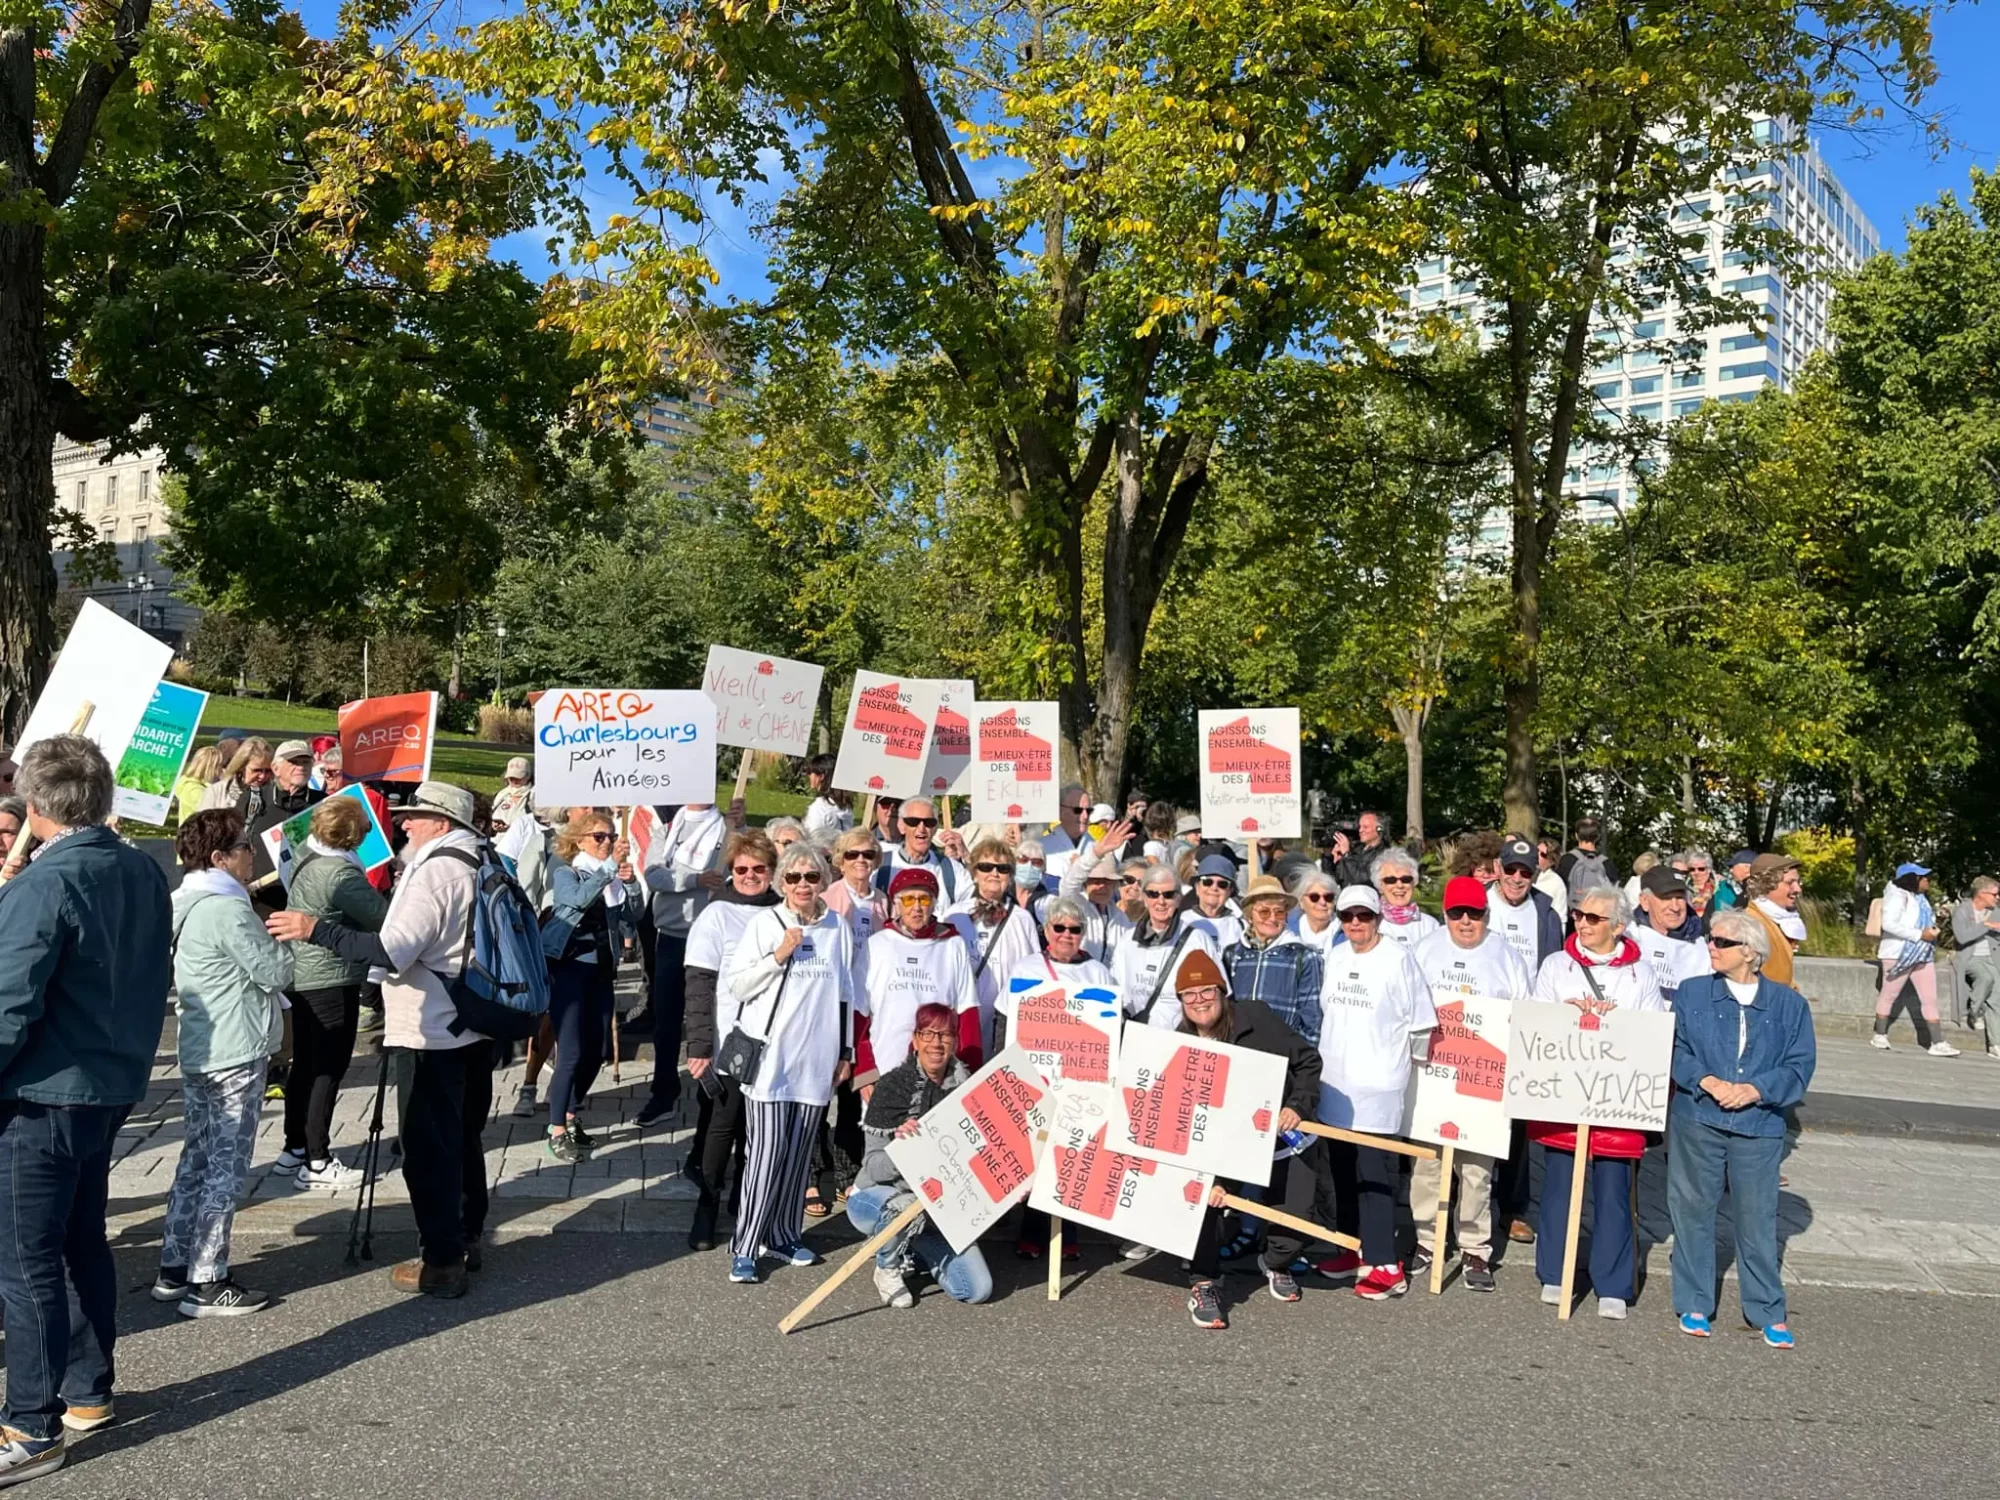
point(1562, 139)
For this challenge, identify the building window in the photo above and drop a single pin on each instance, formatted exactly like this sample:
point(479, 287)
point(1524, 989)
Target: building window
point(82, 494)
point(1645, 358)
point(1608, 389)
point(111, 491)
point(1646, 385)
point(107, 528)
point(145, 485)
point(1688, 379)
point(142, 528)
point(1737, 343)
point(1687, 408)
point(1648, 412)
point(1650, 329)
point(1762, 370)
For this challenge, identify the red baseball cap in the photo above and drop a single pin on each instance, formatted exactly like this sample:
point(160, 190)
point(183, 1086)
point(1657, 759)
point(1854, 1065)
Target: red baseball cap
point(1463, 890)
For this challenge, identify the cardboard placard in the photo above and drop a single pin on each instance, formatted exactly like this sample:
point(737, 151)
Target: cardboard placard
point(1081, 1178)
point(762, 702)
point(284, 841)
point(1015, 757)
point(1206, 1106)
point(973, 1157)
point(158, 753)
point(642, 828)
point(948, 763)
point(1573, 1068)
point(1458, 1097)
point(608, 747)
point(388, 739)
point(885, 740)
point(1249, 773)
point(1067, 1031)
point(112, 665)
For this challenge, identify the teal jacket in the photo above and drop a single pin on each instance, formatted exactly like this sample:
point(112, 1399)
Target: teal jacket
point(323, 886)
point(83, 973)
point(229, 973)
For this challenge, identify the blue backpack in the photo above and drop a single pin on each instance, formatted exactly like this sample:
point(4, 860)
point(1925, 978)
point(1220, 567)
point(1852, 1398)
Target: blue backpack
point(502, 988)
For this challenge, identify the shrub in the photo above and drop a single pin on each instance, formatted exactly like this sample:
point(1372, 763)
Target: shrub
point(502, 725)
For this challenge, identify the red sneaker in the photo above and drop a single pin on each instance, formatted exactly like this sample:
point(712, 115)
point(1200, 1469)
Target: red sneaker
point(1382, 1282)
point(1341, 1263)
point(1071, 1249)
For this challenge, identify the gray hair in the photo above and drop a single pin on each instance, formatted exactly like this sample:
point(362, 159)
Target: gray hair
point(1735, 922)
point(1621, 907)
point(1155, 872)
point(804, 854)
point(1393, 858)
point(1030, 849)
point(1696, 852)
point(910, 802)
point(1063, 906)
point(1980, 883)
point(1313, 879)
point(67, 780)
point(785, 825)
point(15, 808)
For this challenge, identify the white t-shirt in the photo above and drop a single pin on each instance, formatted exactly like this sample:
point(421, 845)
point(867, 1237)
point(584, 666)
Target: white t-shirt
point(805, 1035)
point(1633, 986)
point(826, 819)
point(900, 974)
point(1060, 850)
point(1493, 970)
point(1551, 885)
point(1409, 934)
point(1520, 927)
point(1674, 960)
point(999, 951)
point(1225, 929)
point(1371, 1004)
point(1138, 969)
point(1041, 969)
point(711, 944)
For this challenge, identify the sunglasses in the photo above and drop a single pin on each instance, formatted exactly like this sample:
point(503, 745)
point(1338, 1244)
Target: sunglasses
point(1080, 808)
point(1318, 898)
point(992, 869)
point(1128, 879)
point(1213, 881)
point(852, 855)
point(1359, 914)
point(1464, 913)
point(910, 897)
point(1588, 918)
point(597, 838)
point(1065, 927)
point(750, 870)
point(1399, 880)
point(1163, 895)
point(920, 822)
point(801, 877)
point(1717, 942)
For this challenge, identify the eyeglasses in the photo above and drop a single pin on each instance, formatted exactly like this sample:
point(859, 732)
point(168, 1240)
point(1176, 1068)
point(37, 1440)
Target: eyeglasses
point(1128, 879)
point(1039, 864)
point(1214, 881)
point(1359, 914)
point(936, 1038)
point(799, 877)
point(1163, 895)
point(1399, 880)
point(1464, 913)
point(750, 870)
point(1318, 898)
point(1722, 942)
point(863, 854)
point(1206, 993)
point(989, 868)
point(911, 898)
point(1065, 927)
point(920, 822)
point(1588, 918)
point(1516, 870)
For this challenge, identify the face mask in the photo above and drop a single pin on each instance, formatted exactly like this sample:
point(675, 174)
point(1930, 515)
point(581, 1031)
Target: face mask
point(1027, 875)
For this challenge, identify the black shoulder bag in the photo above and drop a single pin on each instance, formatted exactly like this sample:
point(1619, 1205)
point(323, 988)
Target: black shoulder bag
point(1166, 972)
point(741, 1055)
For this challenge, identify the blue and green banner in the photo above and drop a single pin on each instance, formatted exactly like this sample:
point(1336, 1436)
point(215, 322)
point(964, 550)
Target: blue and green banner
point(159, 748)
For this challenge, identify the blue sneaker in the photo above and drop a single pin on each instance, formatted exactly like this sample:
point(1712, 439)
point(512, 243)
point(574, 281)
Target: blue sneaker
point(1694, 1325)
point(793, 1255)
point(1778, 1336)
point(743, 1268)
point(23, 1458)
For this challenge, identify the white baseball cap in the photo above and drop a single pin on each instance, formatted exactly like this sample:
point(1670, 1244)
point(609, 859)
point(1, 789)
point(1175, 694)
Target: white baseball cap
point(1352, 896)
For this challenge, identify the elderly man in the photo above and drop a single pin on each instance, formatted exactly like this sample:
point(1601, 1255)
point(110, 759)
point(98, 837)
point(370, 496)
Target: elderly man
point(1071, 835)
point(511, 801)
point(444, 1079)
point(1771, 887)
point(1668, 934)
point(1354, 863)
point(1523, 915)
point(917, 821)
point(83, 990)
point(1974, 923)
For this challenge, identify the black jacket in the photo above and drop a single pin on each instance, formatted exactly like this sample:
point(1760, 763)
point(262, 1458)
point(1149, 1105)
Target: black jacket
point(700, 983)
point(1358, 866)
point(1258, 1028)
point(263, 808)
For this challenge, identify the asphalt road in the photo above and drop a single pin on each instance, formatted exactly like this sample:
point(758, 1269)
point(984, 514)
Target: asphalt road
point(586, 1366)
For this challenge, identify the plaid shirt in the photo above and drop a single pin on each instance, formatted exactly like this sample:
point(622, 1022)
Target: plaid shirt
point(1285, 975)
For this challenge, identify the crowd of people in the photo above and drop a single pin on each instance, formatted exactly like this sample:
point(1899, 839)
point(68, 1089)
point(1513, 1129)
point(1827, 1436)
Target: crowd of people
point(829, 984)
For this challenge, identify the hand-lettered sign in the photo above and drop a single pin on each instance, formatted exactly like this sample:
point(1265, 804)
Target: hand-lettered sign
point(972, 1157)
point(1206, 1106)
point(1085, 1180)
point(762, 702)
point(1457, 1097)
point(1249, 773)
point(1068, 1031)
point(1014, 751)
point(388, 739)
point(1572, 1068)
point(886, 739)
point(948, 768)
point(611, 747)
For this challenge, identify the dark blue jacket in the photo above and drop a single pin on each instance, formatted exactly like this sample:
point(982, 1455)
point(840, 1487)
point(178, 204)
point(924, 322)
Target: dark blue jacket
point(1778, 1055)
point(84, 970)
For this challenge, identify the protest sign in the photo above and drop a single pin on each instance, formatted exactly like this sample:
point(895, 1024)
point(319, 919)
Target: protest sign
point(285, 842)
point(388, 739)
point(159, 749)
point(1014, 762)
point(1081, 1178)
point(762, 702)
point(886, 737)
point(1573, 1068)
point(1067, 1031)
point(1206, 1106)
point(642, 826)
point(1249, 773)
point(611, 746)
point(948, 764)
point(112, 666)
point(973, 1156)
point(1457, 1097)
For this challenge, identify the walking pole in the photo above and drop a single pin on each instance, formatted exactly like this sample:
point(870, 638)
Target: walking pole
point(372, 1155)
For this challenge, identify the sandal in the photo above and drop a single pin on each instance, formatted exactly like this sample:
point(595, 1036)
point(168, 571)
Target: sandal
point(815, 1206)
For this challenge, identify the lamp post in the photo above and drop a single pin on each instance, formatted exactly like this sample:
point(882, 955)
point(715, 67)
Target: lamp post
point(141, 585)
point(499, 655)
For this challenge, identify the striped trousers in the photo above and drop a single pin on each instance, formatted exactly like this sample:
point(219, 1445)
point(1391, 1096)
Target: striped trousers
point(777, 1161)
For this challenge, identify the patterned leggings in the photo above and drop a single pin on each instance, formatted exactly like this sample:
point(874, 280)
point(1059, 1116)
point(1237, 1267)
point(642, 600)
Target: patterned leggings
point(778, 1158)
point(220, 1129)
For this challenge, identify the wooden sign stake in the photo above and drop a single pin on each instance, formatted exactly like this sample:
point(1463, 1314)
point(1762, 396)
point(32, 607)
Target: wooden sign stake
point(1446, 1162)
point(77, 726)
point(1055, 1258)
point(853, 1263)
point(1305, 1227)
point(1379, 1142)
point(1253, 857)
point(1578, 1174)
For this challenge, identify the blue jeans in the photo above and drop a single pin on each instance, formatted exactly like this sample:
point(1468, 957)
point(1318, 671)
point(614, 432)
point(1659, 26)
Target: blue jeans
point(1696, 1166)
point(55, 1175)
point(963, 1277)
point(1612, 1251)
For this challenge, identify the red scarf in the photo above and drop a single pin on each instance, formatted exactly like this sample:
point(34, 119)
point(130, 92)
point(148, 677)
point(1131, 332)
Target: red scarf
point(1628, 953)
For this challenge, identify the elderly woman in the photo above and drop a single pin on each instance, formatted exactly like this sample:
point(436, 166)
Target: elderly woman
point(913, 961)
point(1700, 879)
point(326, 991)
point(1031, 868)
point(1214, 898)
point(13, 818)
point(793, 980)
point(230, 976)
point(1743, 1055)
point(592, 890)
point(852, 892)
point(1908, 954)
point(1150, 952)
point(248, 769)
point(1395, 876)
point(997, 931)
point(1092, 882)
point(785, 832)
point(1597, 969)
point(1272, 964)
point(900, 1099)
point(1314, 893)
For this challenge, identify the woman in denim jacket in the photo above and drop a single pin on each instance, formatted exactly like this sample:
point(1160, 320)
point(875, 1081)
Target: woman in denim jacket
point(1743, 1055)
point(590, 888)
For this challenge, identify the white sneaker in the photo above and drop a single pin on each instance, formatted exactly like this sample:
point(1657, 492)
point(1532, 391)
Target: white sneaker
point(1943, 1049)
point(524, 1102)
point(333, 1176)
point(1993, 1051)
point(288, 1162)
point(1879, 1041)
point(1611, 1307)
point(1552, 1295)
point(891, 1288)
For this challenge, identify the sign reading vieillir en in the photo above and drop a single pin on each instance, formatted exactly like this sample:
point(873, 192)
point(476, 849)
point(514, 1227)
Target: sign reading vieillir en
point(618, 746)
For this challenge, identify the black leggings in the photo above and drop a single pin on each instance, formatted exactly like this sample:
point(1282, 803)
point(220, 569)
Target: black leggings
point(323, 1023)
point(1293, 1184)
point(580, 997)
point(1367, 1177)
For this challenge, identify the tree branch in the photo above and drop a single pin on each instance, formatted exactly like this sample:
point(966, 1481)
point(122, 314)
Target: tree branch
point(57, 178)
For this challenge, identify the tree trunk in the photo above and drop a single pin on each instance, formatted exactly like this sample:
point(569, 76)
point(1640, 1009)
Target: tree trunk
point(1864, 888)
point(1771, 811)
point(27, 483)
point(1522, 686)
point(1410, 724)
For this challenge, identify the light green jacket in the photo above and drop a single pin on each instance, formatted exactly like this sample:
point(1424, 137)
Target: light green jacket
point(228, 976)
point(328, 886)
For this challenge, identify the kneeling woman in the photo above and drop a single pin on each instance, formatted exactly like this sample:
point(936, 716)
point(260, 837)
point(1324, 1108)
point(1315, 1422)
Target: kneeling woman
point(1207, 1011)
point(793, 979)
point(902, 1096)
